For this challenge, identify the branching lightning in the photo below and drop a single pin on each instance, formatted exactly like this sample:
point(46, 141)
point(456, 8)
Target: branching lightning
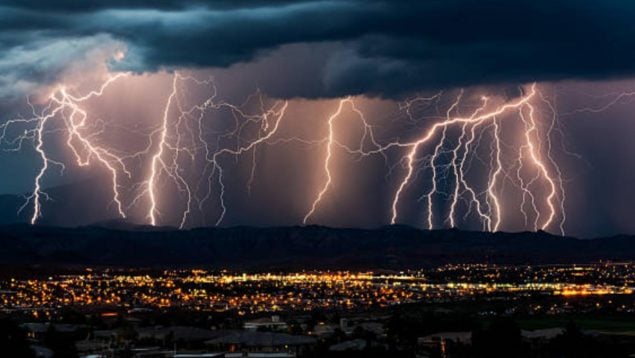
point(165, 159)
point(166, 148)
point(66, 109)
point(491, 217)
point(535, 169)
point(462, 181)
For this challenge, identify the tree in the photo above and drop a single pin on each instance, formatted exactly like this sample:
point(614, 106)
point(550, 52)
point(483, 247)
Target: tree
point(13, 341)
point(501, 339)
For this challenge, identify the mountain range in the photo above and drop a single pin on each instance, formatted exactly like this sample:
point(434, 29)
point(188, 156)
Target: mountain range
point(118, 244)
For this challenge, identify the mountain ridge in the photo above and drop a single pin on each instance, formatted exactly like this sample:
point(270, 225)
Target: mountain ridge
point(295, 247)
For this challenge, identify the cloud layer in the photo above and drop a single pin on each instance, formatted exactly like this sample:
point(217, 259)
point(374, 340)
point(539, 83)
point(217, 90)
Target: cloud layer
point(379, 47)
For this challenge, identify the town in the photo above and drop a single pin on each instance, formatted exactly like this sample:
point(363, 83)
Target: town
point(439, 311)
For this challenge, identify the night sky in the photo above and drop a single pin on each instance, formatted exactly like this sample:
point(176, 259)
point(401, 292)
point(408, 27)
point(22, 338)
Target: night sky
point(276, 112)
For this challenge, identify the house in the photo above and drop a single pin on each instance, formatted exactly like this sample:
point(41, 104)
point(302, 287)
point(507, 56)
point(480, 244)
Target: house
point(272, 323)
point(177, 333)
point(353, 345)
point(440, 338)
point(542, 334)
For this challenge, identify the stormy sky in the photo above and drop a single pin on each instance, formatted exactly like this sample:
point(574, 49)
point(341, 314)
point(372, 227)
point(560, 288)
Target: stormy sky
point(367, 47)
point(314, 53)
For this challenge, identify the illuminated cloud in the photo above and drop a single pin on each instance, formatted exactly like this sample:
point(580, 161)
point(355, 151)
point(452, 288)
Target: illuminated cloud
point(24, 68)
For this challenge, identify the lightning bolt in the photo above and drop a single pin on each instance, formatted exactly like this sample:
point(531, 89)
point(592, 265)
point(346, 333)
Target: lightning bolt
point(65, 109)
point(165, 159)
point(157, 157)
point(542, 167)
point(458, 169)
point(491, 217)
point(332, 142)
point(433, 160)
point(265, 134)
point(487, 204)
point(181, 142)
point(168, 144)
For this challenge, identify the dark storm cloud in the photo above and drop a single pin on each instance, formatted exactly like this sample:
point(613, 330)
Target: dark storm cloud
point(93, 5)
point(385, 47)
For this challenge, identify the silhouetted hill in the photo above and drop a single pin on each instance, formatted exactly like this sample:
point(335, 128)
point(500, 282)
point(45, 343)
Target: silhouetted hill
point(393, 247)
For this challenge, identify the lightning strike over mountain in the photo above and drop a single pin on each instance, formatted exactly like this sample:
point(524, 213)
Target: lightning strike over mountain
point(172, 145)
point(157, 159)
point(332, 141)
point(491, 209)
point(532, 172)
point(179, 136)
point(187, 164)
point(65, 109)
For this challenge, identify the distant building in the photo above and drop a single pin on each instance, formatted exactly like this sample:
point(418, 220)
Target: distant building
point(261, 344)
point(441, 338)
point(323, 329)
point(542, 334)
point(353, 345)
point(37, 330)
point(272, 323)
point(178, 333)
point(374, 327)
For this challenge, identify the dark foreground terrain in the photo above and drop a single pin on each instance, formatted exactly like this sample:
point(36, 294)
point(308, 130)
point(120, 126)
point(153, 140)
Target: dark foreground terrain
point(312, 247)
